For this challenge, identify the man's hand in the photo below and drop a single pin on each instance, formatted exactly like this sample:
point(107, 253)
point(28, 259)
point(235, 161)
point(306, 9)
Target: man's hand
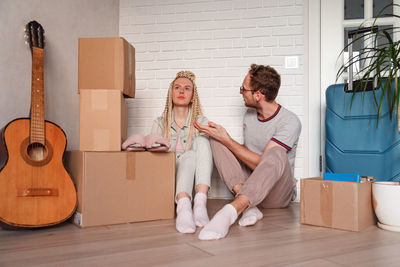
point(214, 130)
point(248, 157)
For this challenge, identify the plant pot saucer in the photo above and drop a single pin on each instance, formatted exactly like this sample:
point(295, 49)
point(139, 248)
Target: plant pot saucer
point(389, 227)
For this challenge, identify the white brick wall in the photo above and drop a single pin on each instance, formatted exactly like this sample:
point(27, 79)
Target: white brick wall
point(217, 40)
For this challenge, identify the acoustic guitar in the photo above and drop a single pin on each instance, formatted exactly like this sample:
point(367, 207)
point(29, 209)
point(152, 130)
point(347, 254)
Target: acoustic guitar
point(35, 188)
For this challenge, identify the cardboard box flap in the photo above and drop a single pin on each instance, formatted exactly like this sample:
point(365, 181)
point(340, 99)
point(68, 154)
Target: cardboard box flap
point(132, 67)
point(345, 200)
point(120, 65)
point(326, 203)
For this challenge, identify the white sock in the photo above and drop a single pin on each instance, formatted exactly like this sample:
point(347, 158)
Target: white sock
point(184, 216)
point(200, 209)
point(219, 225)
point(250, 216)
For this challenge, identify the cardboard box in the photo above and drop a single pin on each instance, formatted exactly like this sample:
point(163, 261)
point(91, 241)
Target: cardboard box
point(340, 205)
point(103, 119)
point(106, 63)
point(122, 187)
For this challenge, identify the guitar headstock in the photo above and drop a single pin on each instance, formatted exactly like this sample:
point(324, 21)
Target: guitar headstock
point(34, 34)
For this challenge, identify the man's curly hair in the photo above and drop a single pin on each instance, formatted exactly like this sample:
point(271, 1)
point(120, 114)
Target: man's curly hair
point(266, 80)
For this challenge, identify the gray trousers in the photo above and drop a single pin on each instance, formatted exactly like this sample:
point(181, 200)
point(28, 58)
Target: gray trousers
point(194, 166)
point(269, 185)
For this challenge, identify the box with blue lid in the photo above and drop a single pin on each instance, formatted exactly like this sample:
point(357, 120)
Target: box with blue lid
point(336, 204)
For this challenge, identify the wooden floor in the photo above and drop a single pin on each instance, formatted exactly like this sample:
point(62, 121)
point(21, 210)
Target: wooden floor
point(279, 239)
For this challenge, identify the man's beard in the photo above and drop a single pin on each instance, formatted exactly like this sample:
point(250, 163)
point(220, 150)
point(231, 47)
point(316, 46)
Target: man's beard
point(249, 105)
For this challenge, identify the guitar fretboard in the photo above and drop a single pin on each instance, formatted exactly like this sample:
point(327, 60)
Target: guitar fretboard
point(37, 97)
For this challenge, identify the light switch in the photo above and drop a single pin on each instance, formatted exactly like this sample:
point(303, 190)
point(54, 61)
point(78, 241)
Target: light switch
point(292, 62)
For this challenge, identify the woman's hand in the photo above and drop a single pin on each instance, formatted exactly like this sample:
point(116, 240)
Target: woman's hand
point(215, 131)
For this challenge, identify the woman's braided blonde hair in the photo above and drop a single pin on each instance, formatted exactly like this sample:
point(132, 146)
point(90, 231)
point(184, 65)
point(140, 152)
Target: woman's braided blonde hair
point(194, 109)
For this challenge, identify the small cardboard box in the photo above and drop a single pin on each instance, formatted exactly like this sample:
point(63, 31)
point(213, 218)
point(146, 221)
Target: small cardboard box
point(340, 205)
point(103, 119)
point(122, 187)
point(106, 63)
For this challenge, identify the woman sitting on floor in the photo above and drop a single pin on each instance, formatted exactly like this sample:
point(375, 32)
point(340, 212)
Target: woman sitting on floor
point(193, 153)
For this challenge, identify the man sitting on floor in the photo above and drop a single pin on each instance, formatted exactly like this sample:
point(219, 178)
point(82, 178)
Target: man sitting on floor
point(260, 172)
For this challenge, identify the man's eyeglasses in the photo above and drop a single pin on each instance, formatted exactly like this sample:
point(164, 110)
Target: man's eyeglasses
point(242, 89)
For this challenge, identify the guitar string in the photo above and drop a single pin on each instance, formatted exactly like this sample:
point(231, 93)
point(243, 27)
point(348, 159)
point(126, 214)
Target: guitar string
point(39, 147)
point(36, 123)
point(33, 122)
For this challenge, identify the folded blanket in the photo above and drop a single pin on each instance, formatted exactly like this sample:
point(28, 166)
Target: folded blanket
point(134, 142)
point(155, 142)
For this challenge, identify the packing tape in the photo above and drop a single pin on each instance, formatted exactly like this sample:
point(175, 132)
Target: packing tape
point(326, 203)
point(130, 165)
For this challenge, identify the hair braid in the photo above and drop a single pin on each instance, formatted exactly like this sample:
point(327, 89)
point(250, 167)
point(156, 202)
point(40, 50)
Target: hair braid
point(195, 112)
point(167, 115)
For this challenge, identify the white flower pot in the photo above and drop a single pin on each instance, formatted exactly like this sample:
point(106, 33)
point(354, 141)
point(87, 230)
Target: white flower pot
point(386, 201)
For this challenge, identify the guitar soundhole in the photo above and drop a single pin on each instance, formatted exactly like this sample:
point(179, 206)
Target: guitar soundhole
point(37, 152)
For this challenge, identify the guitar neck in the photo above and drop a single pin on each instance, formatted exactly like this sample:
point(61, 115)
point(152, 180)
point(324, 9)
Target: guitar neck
point(37, 131)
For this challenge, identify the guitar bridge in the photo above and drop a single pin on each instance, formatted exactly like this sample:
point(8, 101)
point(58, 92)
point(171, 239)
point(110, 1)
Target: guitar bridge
point(37, 192)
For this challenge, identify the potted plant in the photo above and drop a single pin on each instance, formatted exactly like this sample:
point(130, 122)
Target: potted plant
point(381, 72)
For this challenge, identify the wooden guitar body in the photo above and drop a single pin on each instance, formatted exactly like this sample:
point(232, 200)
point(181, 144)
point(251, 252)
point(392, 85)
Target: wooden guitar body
point(34, 193)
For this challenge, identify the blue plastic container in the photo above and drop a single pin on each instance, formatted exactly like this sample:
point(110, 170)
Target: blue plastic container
point(354, 143)
point(342, 177)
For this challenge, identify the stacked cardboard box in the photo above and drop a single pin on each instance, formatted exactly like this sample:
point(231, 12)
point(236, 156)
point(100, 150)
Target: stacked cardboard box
point(114, 186)
point(121, 187)
point(103, 120)
point(106, 72)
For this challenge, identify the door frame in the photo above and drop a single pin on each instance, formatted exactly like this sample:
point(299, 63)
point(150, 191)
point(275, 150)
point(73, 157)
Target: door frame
point(314, 88)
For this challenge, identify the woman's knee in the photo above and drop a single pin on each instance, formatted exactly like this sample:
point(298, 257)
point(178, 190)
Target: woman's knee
point(187, 158)
point(188, 154)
